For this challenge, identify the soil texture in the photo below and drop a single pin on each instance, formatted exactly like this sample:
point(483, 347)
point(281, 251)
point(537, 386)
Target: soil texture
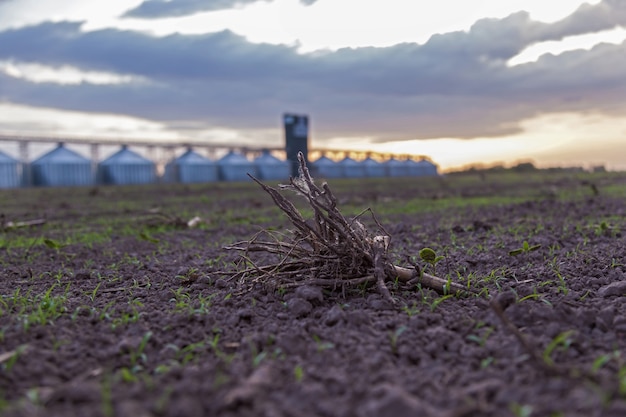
point(114, 307)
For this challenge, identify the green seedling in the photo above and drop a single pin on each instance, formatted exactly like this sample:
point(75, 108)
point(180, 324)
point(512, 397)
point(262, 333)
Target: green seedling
point(412, 310)
point(258, 358)
point(321, 345)
point(621, 375)
point(298, 373)
point(615, 263)
point(92, 294)
point(603, 228)
point(435, 303)
point(526, 247)
point(53, 244)
point(139, 355)
point(603, 360)
point(9, 359)
point(128, 375)
point(214, 345)
point(561, 342)
point(430, 257)
point(519, 410)
point(394, 338)
point(163, 400)
point(485, 363)
point(534, 296)
point(105, 312)
point(106, 394)
point(44, 309)
point(145, 236)
point(481, 340)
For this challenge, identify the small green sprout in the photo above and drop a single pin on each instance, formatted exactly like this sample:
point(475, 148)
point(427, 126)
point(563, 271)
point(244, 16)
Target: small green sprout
point(430, 256)
point(53, 244)
point(298, 373)
point(138, 355)
point(520, 410)
point(145, 236)
point(322, 345)
point(604, 229)
point(526, 247)
point(562, 341)
point(435, 303)
point(9, 359)
point(394, 338)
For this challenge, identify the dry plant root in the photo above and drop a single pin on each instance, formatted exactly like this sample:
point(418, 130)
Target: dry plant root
point(328, 250)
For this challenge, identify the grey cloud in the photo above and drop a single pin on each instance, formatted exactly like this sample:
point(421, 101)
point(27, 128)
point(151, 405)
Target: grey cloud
point(455, 85)
point(155, 9)
point(605, 15)
point(505, 38)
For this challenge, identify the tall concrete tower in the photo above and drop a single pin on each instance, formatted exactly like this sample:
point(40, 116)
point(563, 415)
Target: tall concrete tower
point(296, 139)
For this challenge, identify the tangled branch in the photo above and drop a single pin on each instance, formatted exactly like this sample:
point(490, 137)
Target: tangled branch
point(327, 250)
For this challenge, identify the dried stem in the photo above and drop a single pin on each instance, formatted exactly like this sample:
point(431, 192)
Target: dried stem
point(329, 250)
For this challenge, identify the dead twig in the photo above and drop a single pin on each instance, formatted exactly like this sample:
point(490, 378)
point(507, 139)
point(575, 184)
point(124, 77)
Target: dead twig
point(17, 225)
point(329, 250)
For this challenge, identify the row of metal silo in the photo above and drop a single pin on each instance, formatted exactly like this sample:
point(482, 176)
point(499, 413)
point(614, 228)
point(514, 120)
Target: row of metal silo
point(368, 168)
point(65, 167)
point(192, 167)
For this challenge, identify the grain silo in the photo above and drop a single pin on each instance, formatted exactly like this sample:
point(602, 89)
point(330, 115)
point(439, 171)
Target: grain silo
point(271, 168)
point(9, 171)
point(352, 168)
point(373, 168)
point(61, 167)
point(126, 167)
point(396, 168)
point(427, 168)
point(191, 167)
point(327, 168)
point(235, 167)
point(414, 168)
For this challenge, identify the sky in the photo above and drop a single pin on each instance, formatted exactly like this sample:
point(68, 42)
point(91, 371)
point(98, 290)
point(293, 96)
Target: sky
point(491, 81)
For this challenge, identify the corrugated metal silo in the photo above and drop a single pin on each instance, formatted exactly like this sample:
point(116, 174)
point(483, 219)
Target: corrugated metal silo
point(191, 167)
point(234, 167)
point(126, 167)
point(327, 168)
point(373, 168)
point(428, 168)
point(415, 169)
point(396, 168)
point(61, 167)
point(271, 168)
point(352, 168)
point(9, 171)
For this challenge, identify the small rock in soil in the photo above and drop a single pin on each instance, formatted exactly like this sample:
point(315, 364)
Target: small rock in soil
point(376, 302)
point(310, 294)
point(221, 283)
point(615, 288)
point(604, 318)
point(504, 300)
point(299, 307)
point(82, 274)
point(244, 314)
point(255, 384)
point(619, 324)
point(333, 316)
point(395, 401)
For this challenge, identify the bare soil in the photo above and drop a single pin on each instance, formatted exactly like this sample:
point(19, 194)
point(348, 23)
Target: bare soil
point(148, 324)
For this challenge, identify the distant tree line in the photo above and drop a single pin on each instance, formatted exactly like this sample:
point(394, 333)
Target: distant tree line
point(521, 167)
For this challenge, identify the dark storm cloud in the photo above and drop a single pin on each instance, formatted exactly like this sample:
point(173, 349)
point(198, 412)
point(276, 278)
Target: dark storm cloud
point(156, 9)
point(455, 85)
